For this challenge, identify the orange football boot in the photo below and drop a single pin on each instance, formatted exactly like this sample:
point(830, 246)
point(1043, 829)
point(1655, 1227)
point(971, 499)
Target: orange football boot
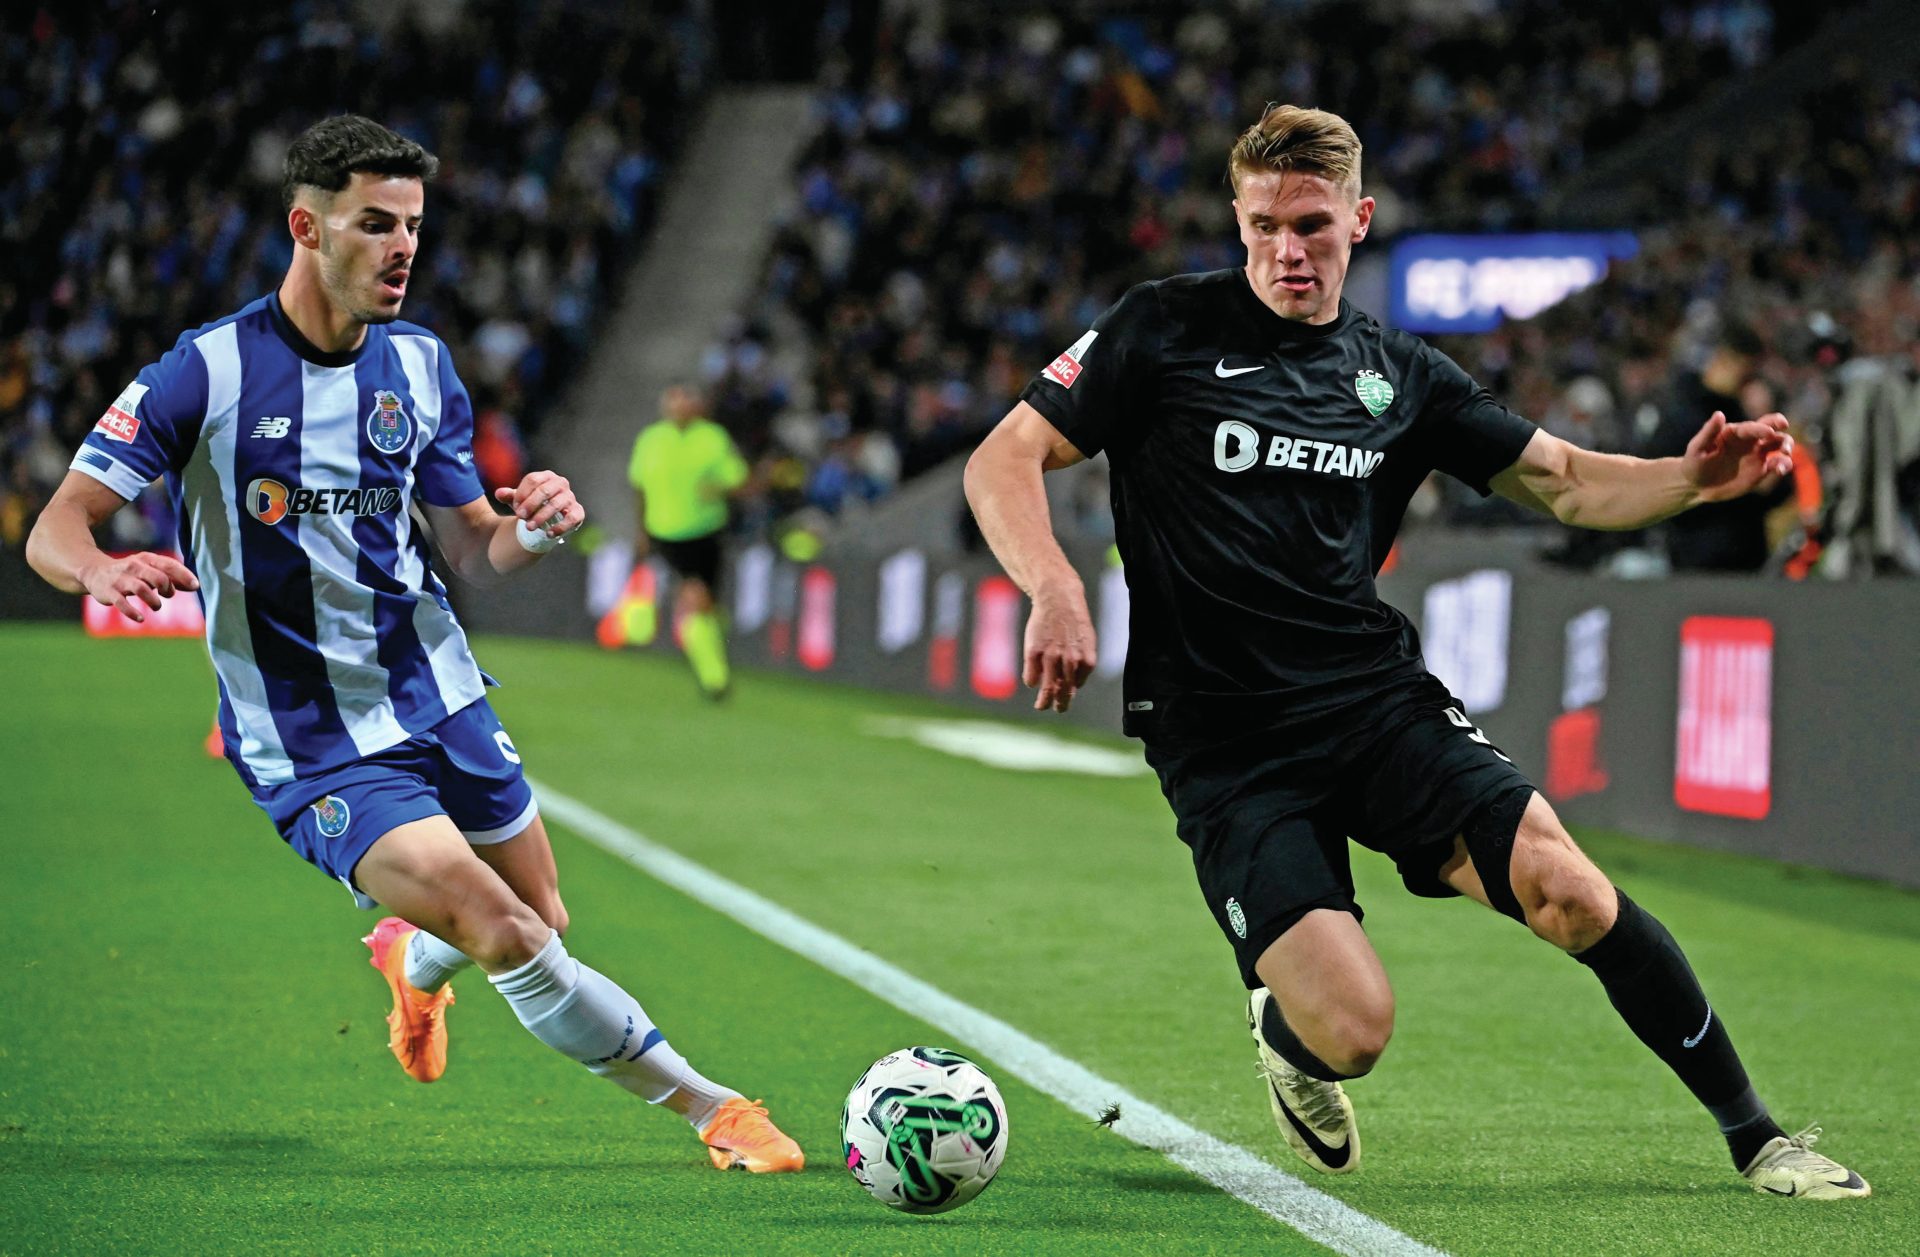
point(417, 1026)
point(742, 1136)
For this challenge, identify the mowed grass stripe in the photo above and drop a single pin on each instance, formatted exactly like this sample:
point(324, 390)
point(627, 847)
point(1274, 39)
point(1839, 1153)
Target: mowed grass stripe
point(1229, 1167)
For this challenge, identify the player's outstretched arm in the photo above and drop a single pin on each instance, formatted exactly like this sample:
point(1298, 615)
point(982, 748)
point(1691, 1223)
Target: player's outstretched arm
point(62, 549)
point(1588, 489)
point(484, 546)
point(1006, 494)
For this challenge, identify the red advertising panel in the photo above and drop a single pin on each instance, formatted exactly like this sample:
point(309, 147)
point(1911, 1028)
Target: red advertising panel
point(1723, 762)
point(816, 619)
point(996, 638)
point(1573, 755)
point(949, 610)
point(783, 605)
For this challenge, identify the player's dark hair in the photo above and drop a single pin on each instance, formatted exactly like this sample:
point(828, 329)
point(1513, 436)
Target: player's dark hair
point(329, 153)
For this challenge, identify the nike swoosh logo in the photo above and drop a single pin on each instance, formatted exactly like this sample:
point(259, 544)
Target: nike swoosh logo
point(1226, 372)
point(1334, 1157)
point(1794, 1192)
point(1695, 1040)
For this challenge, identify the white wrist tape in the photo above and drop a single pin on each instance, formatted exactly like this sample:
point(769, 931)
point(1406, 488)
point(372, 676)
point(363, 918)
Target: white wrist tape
point(535, 540)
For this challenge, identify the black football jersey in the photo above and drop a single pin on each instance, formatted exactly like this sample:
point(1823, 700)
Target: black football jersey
point(1260, 469)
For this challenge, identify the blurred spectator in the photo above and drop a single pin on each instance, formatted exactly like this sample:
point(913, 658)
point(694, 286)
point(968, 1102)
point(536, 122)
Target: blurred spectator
point(1721, 536)
point(499, 455)
point(1584, 415)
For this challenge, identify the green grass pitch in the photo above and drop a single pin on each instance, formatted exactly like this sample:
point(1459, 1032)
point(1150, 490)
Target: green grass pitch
point(193, 1057)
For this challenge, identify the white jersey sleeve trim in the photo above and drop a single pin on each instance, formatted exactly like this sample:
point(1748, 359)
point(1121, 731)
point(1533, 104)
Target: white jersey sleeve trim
point(109, 471)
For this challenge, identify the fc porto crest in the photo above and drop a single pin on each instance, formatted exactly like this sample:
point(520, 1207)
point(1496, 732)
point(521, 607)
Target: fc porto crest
point(332, 815)
point(387, 424)
point(1376, 394)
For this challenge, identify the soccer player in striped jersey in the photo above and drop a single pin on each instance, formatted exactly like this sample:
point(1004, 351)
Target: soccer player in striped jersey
point(298, 437)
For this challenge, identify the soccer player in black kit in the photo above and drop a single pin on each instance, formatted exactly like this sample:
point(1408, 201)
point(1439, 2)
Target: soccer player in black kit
point(1264, 439)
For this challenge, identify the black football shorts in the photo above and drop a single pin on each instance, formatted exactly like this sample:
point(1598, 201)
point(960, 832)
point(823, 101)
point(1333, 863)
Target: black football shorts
point(1268, 814)
point(696, 558)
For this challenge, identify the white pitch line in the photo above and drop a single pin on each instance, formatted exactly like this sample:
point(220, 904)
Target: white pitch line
point(1232, 1169)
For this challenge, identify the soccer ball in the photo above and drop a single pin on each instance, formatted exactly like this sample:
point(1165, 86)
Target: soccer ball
point(924, 1130)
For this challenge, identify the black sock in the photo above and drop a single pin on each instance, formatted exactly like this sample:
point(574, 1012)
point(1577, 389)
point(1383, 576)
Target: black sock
point(1747, 1126)
point(1281, 1038)
point(1653, 988)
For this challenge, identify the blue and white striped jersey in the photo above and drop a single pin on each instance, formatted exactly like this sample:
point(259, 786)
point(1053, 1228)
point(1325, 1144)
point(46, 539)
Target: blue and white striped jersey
point(292, 471)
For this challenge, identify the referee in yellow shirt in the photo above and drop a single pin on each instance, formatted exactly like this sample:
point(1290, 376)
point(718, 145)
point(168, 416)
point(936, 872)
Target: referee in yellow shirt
point(684, 468)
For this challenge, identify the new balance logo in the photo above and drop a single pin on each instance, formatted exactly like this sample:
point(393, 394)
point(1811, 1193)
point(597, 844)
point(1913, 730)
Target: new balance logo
point(273, 428)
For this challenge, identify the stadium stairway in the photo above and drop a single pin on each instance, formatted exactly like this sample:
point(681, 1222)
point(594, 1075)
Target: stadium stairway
point(722, 202)
point(1876, 37)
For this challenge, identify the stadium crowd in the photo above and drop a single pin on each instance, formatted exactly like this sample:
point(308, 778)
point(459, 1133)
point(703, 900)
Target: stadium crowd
point(980, 187)
point(979, 191)
point(1798, 248)
point(140, 189)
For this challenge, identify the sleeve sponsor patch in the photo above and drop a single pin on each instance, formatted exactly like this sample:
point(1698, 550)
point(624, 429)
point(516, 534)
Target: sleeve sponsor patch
point(1065, 369)
point(121, 422)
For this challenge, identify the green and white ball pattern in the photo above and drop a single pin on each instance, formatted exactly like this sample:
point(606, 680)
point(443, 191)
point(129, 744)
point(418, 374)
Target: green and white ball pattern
point(924, 1130)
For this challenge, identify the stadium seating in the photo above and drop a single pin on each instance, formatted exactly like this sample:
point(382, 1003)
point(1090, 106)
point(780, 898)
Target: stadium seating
point(974, 200)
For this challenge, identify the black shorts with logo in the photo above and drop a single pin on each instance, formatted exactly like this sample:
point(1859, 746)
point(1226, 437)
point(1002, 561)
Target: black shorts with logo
point(696, 558)
point(1268, 814)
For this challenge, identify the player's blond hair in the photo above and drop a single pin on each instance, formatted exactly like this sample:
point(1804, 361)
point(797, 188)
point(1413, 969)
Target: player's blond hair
point(1288, 138)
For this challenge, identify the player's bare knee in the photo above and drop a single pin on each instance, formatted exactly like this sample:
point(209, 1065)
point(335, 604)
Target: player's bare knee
point(504, 937)
point(1366, 1045)
point(545, 902)
point(1572, 907)
point(1359, 1041)
point(1567, 900)
point(1352, 1037)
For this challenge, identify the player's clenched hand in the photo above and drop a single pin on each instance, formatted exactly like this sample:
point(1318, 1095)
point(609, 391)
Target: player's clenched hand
point(138, 578)
point(545, 500)
point(1059, 648)
point(1726, 460)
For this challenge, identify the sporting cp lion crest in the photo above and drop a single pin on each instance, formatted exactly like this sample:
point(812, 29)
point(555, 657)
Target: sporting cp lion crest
point(388, 426)
point(1375, 393)
point(332, 815)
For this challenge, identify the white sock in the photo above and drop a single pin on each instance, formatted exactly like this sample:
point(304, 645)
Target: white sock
point(431, 961)
point(702, 1097)
point(580, 1013)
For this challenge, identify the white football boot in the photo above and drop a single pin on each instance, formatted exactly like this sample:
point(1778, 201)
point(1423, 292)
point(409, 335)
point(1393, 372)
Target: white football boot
point(1788, 1166)
point(1316, 1117)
